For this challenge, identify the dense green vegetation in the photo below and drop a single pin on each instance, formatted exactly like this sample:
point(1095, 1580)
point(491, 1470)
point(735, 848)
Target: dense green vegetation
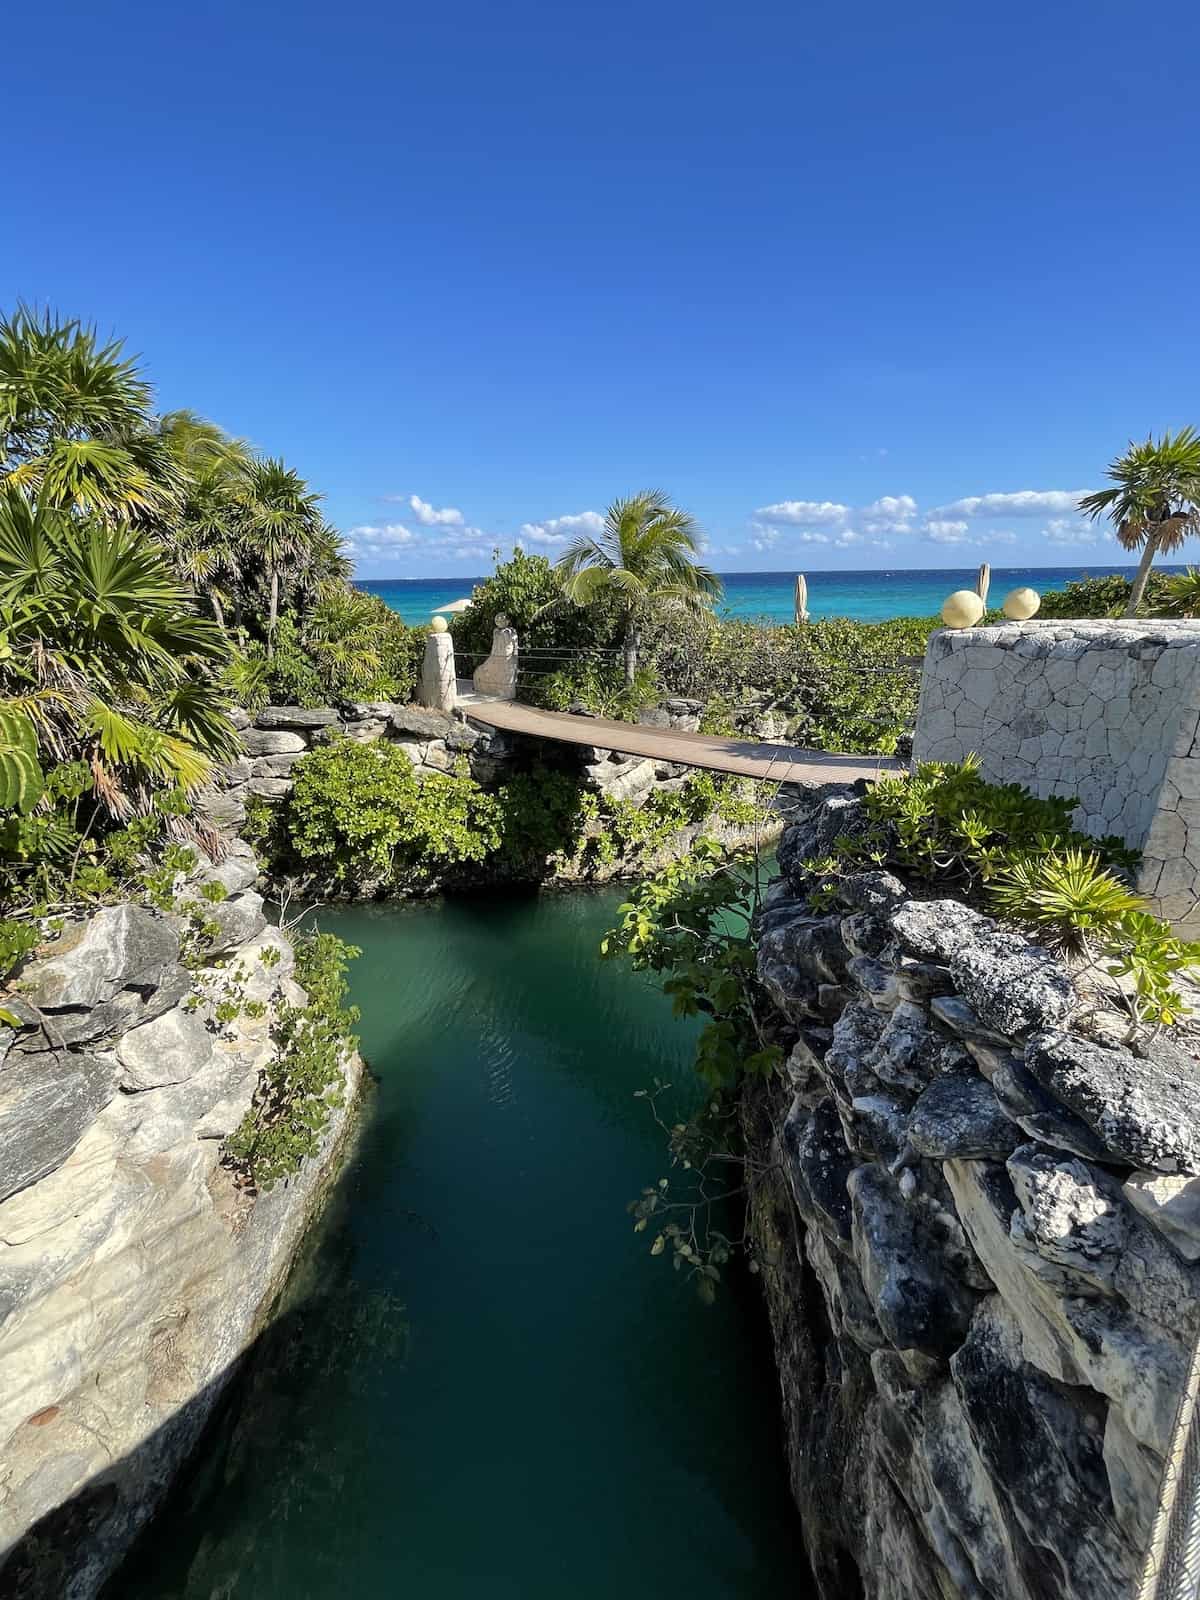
point(835, 684)
point(153, 571)
point(302, 1083)
point(359, 821)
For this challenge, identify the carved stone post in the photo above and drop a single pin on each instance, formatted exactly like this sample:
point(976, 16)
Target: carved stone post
point(438, 688)
point(497, 676)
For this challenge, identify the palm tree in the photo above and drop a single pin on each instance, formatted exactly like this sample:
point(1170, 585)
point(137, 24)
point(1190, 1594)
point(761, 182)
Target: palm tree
point(75, 426)
point(208, 549)
point(645, 554)
point(101, 647)
point(281, 523)
point(1155, 501)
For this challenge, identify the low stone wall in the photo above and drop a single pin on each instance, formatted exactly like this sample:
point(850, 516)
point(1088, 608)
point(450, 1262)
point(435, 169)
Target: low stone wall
point(1108, 711)
point(979, 1234)
point(133, 1271)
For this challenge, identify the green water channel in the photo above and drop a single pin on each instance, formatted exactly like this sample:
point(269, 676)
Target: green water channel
point(480, 1384)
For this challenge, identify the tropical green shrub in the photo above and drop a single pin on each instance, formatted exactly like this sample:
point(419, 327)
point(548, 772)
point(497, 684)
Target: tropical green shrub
point(1006, 850)
point(527, 590)
point(693, 922)
point(302, 1083)
point(1181, 593)
point(839, 683)
point(1105, 596)
point(358, 816)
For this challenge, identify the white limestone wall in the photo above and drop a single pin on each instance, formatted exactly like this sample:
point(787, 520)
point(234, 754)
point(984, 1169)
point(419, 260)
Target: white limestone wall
point(1106, 711)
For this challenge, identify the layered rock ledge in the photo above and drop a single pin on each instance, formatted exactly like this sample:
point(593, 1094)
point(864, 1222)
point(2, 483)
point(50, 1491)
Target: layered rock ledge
point(979, 1230)
point(134, 1271)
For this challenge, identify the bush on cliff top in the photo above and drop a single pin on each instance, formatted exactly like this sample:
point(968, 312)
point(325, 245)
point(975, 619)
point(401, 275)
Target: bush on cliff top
point(1002, 848)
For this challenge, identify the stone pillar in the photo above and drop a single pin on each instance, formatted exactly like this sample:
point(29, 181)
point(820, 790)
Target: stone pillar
point(1106, 711)
point(497, 676)
point(438, 688)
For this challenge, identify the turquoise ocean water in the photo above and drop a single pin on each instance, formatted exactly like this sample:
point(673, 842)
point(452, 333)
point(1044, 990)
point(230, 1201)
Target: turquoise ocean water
point(865, 596)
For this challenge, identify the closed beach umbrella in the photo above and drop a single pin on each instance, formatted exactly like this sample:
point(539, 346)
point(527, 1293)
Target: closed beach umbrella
point(801, 598)
point(453, 608)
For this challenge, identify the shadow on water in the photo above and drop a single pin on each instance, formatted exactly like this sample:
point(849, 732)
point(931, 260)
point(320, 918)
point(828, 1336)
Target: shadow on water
point(479, 1381)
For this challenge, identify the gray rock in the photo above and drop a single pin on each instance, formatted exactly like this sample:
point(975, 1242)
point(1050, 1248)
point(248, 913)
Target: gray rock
point(908, 1053)
point(919, 1306)
point(415, 720)
point(819, 1164)
point(239, 717)
point(297, 717)
point(118, 947)
point(1038, 1112)
point(1045, 1450)
point(959, 1115)
point(238, 920)
point(169, 1049)
point(812, 836)
point(271, 788)
point(954, 1013)
point(935, 930)
point(269, 742)
point(1013, 985)
point(236, 870)
point(225, 811)
point(230, 774)
point(1144, 1115)
point(1172, 1203)
point(49, 1097)
point(460, 738)
point(865, 935)
point(1067, 1219)
point(273, 766)
point(877, 892)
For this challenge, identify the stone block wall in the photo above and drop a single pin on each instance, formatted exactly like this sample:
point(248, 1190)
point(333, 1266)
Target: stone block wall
point(1108, 711)
point(977, 1215)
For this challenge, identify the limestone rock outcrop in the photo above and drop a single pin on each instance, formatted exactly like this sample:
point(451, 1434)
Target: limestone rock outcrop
point(979, 1236)
point(134, 1271)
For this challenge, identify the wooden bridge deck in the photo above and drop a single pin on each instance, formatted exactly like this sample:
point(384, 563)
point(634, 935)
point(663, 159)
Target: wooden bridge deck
point(745, 758)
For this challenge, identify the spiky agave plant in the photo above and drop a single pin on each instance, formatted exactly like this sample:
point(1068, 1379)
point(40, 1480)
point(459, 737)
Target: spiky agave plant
point(1068, 897)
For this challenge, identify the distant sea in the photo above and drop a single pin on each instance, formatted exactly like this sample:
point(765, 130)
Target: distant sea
point(767, 596)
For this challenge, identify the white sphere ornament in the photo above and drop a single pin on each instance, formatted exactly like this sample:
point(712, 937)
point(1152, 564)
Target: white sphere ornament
point(1021, 604)
point(438, 625)
point(962, 609)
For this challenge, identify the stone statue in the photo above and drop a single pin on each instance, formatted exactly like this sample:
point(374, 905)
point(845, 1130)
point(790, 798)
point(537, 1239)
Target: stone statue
point(497, 676)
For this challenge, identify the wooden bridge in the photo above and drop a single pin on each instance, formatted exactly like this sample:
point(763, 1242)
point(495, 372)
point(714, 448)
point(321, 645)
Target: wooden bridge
point(745, 758)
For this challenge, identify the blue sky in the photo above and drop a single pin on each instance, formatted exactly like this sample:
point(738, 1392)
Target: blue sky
point(843, 280)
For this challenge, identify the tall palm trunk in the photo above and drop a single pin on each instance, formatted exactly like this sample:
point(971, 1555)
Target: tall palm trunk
point(218, 609)
point(273, 614)
point(1141, 577)
point(632, 643)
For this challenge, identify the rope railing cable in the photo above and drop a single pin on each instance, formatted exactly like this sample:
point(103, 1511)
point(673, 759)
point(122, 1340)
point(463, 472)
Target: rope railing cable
point(1172, 1566)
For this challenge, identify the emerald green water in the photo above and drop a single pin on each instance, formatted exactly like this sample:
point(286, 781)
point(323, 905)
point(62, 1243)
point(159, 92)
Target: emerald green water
point(480, 1384)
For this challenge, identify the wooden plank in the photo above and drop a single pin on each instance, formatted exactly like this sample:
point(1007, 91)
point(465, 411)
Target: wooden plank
point(744, 758)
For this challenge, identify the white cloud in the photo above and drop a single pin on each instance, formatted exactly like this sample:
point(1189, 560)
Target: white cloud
point(431, 517)
point(941, 531)
point(386, 535)
point(1063, 530)
point(1022, 503)
point(801, 511)
point(898, 507)
point(557, 530)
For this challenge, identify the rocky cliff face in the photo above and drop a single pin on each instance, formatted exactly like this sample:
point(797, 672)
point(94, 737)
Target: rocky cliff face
point(979, 1234)
point(133, 1271)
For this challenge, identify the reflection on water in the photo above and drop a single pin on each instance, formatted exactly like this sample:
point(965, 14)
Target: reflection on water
point(479, 1383)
